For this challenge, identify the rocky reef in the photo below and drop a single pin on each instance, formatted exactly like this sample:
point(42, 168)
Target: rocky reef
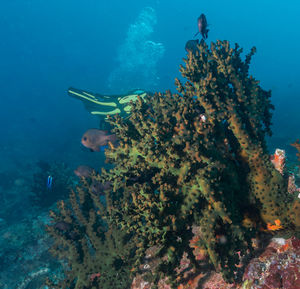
point(189, 167)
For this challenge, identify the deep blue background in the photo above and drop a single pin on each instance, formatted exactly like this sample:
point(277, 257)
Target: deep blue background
point(47, 46)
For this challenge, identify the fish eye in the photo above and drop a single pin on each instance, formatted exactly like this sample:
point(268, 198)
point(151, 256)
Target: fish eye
point(84, 138)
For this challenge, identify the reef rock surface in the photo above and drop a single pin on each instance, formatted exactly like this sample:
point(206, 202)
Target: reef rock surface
point(278, 266)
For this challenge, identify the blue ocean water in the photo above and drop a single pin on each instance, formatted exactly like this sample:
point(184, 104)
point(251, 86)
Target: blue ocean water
point(112, 47)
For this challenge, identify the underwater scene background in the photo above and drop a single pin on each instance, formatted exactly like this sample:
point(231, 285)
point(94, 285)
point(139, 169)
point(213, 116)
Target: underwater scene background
point(117, 49)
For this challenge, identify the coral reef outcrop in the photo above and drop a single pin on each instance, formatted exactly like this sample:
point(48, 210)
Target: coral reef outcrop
point(94, 252)
point(200, 157)
point(276, 267)
point(194, 158)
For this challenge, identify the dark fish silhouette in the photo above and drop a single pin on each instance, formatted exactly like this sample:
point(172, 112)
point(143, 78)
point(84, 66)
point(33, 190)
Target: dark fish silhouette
point(192, 46)
point(99, 189)
point(84, 171)
point(66, 229)
point(202, 26)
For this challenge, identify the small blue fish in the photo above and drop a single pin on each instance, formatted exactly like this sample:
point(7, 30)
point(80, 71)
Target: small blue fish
point(102, 148)
point(49, 182)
